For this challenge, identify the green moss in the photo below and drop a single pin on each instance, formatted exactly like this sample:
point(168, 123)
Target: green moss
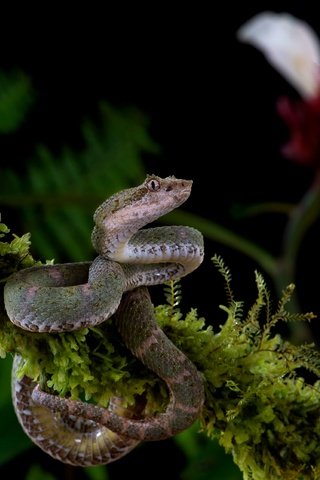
point(14, 254)
point(257, 403)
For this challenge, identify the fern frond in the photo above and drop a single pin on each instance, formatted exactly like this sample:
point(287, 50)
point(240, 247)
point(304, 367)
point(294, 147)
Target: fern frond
point(225, 272)
point(308, 357)
point(281, 314)
point(236, 310)
point(262, 303)
point(297, 317)
point(173, 294)
point(264, 294)
point(285, 298)
point(57, 196)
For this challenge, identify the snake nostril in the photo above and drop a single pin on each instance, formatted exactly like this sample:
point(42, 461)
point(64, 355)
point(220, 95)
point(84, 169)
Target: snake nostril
point(169, 188)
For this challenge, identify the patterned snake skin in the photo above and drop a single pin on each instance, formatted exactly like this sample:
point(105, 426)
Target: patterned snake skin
point(67, 297)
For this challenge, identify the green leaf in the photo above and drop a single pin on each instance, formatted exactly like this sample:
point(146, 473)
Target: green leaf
point(206, 460)
point(13, 440)
point(16, 98)
point(37, 473)
point(97, 473)
point(5, 381)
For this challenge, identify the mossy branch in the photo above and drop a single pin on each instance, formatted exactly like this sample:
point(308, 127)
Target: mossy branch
point(257, 404)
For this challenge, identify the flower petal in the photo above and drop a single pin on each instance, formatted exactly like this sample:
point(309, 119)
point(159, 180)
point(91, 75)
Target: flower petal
point(290, 45)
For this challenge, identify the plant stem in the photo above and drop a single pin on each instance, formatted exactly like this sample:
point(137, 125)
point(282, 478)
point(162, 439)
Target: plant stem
point(302, 216)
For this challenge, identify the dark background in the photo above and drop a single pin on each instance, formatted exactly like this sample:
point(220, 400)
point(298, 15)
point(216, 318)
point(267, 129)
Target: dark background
point(211, 105)
point(210, 101)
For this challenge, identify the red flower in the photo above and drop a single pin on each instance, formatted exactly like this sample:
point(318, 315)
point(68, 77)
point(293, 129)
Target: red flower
point(303, 120)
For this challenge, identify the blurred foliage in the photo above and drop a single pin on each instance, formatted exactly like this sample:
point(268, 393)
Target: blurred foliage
point(12, 439)
point(207, 460)
point(37, 473)
point(16, 99)
point(56, 196)
point(97, 473)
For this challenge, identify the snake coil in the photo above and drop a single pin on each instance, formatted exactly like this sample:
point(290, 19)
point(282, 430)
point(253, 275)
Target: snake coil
point(66, 297)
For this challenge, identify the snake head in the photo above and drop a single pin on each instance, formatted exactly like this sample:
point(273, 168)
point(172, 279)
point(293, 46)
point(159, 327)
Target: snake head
point(142, 204)
point(169, 192)
point(125, 212)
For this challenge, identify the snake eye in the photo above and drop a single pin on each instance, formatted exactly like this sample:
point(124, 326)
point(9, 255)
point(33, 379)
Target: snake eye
point(153, 184)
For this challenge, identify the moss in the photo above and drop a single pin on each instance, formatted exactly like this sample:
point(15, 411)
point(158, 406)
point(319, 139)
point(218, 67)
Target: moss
point(257, 403)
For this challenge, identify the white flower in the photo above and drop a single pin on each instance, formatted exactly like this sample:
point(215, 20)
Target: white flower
point(290, 45)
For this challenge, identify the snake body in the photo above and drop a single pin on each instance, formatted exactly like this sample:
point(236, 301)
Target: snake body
point(71, 439)
point(67, 297)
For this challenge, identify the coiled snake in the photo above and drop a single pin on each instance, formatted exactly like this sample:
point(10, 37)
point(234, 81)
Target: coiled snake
point(65, 297)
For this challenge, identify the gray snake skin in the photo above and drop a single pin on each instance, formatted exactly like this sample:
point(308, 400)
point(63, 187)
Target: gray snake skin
point(65, 297)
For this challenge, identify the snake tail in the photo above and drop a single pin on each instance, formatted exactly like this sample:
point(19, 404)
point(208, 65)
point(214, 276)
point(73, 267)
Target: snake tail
point(71, 439)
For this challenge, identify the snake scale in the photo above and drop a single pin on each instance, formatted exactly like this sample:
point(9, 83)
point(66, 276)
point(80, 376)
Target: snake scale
point(66, 297)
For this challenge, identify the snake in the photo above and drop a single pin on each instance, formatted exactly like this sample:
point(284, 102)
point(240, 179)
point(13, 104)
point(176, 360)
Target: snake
point(70, 296)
